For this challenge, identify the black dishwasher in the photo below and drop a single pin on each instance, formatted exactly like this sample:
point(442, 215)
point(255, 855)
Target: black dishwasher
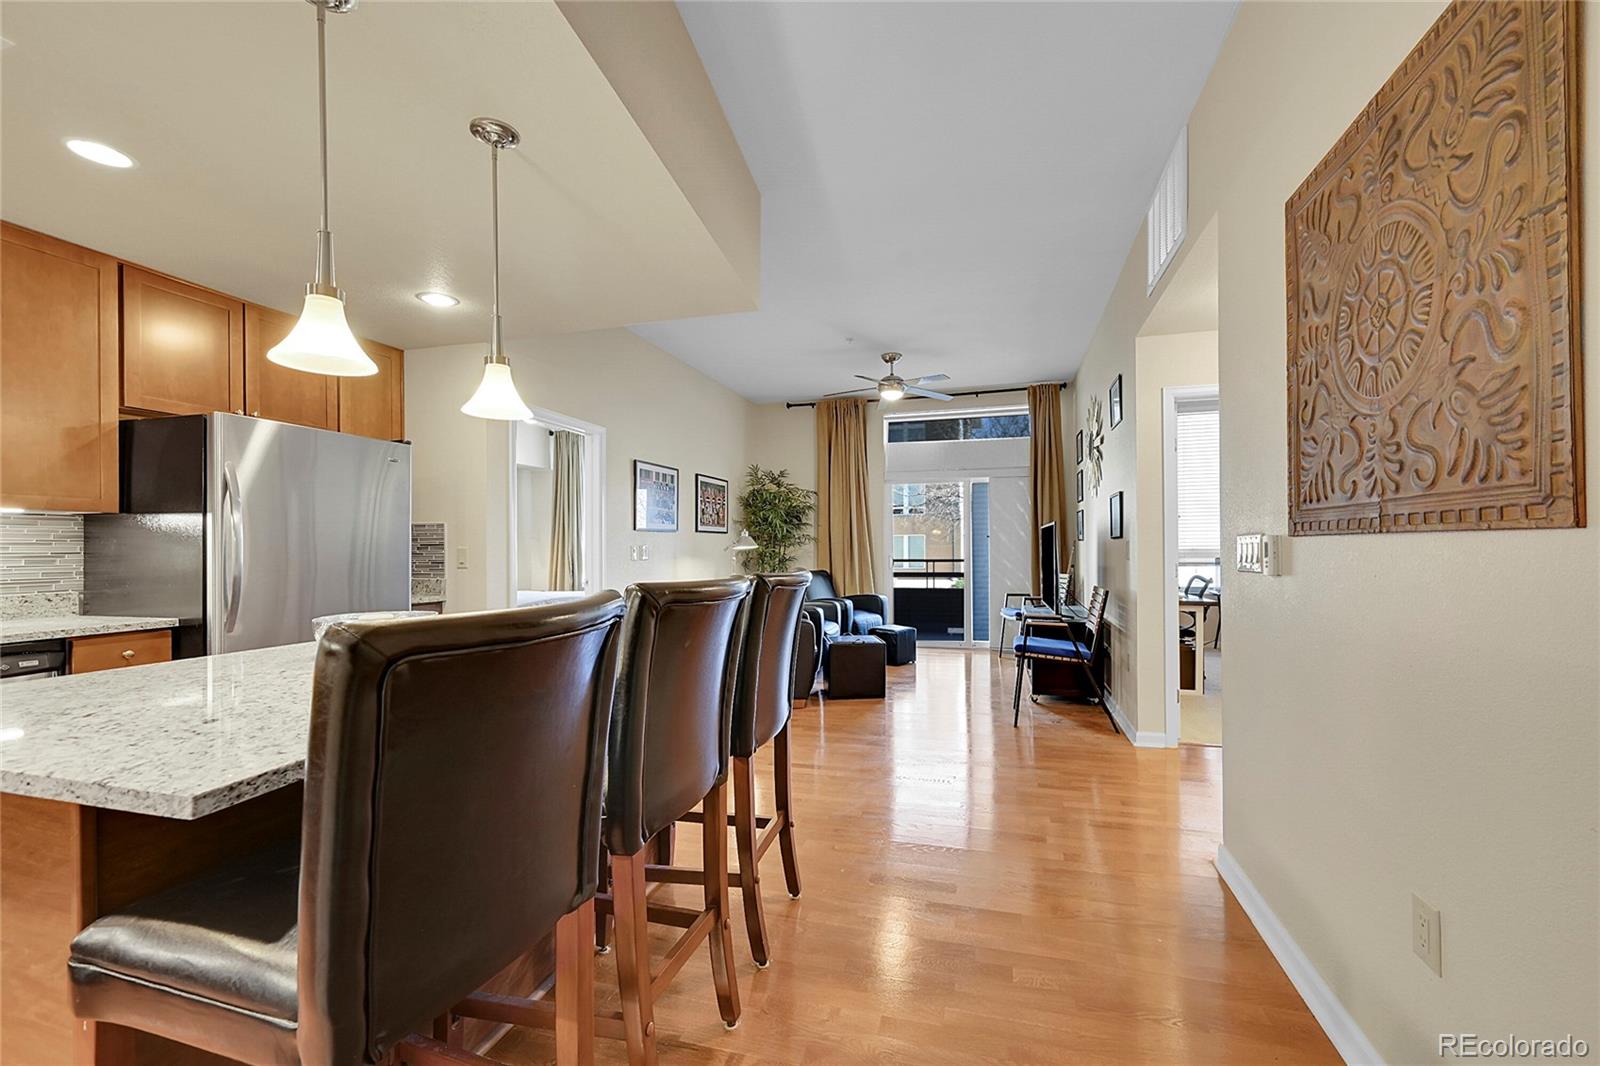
point(32, 659)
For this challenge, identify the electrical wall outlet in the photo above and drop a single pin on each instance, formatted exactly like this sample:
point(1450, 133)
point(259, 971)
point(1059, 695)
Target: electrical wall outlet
point(1425, 935)
point(461, 558)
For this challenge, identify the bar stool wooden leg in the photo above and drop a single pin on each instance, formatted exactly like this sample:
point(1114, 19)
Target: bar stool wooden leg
point(744, 832)
point(633, 956)
point(603, 922)
point(785, 810)
point(715, 879)
point(575, 987)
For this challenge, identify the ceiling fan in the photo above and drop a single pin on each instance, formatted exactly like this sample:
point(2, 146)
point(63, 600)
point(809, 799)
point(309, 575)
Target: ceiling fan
point(892, 386)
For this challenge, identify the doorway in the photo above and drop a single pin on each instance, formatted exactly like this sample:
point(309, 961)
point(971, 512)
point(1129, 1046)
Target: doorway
point(557, 514)
point(1191, 511)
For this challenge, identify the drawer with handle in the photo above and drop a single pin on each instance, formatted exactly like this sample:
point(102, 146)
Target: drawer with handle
point(110, 651)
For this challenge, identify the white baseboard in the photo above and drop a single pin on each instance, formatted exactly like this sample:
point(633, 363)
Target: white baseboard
point(1146, 739)
point(1347, 1037)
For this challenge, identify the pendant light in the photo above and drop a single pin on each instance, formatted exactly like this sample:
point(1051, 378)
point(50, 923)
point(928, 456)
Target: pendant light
point(321, 342)
point(497, 397)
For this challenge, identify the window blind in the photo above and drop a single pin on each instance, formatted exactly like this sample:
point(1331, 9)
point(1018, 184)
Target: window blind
point(1199, 485)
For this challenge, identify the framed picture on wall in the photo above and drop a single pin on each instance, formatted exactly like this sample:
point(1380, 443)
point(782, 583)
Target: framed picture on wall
point(1116, 402)
point(1078, 451)
point(1080, 523)
point(655, 497)
point(710, 504)
point(1116, 516)
point(1080, 486)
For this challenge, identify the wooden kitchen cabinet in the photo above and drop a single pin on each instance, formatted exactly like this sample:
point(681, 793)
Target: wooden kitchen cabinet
point(112, 651)
point(182, 346)
point(272, 391)
point(58, 374)
point(376, 406)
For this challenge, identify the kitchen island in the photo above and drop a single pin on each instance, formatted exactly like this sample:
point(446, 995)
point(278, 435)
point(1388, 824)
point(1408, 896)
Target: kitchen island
point(118, 784)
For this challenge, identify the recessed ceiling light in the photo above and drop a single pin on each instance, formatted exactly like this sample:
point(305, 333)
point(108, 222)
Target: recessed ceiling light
point(437, 299)
point(95, 152)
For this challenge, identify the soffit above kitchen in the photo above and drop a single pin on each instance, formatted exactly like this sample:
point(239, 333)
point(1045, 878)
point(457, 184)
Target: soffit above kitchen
point(606, 211)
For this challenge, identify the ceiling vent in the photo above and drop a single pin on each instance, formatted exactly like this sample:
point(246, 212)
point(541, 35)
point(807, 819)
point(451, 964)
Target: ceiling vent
point(1168, 220)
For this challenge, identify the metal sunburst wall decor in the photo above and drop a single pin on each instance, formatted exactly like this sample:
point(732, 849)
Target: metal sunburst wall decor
point(1094, 442)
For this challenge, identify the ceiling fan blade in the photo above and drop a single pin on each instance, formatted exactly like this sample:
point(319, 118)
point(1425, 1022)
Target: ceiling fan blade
point(847, 392)
point(864, 377)
point(928, 379)
point(912, 390)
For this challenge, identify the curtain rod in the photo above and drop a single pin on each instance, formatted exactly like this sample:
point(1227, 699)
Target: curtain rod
point(976, 392)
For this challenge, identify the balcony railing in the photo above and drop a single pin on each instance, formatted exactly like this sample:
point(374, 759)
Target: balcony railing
point(929, 594)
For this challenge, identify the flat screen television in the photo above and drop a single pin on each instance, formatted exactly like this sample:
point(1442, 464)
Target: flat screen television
point(1049, 567)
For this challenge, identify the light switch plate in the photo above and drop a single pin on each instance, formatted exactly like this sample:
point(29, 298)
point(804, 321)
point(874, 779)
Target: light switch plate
point(1425, 935)
point(1253, 554)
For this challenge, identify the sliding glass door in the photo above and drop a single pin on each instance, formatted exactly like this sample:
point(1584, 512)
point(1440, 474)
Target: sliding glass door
point(939, 538)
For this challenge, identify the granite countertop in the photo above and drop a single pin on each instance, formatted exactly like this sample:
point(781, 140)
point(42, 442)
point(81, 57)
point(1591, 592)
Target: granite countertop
point(180, 739)
point(55, 626)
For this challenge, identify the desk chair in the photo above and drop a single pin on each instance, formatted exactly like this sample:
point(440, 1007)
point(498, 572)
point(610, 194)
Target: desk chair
point(1194, 590)
point(1024, 600)
point(1031, 647)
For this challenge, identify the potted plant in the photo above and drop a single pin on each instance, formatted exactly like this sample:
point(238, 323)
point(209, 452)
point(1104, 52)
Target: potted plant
point(778, 515)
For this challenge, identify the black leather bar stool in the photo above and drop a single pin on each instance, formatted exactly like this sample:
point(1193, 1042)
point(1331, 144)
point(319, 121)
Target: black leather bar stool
point(762, 702)
point(669, 753)
point(452, 817)
point(808, 656)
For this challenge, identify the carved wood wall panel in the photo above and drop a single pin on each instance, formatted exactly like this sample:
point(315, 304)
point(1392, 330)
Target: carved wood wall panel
point(1433, 289)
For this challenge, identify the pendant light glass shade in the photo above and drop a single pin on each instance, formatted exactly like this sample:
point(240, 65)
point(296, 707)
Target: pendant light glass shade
point(321, 342)
point(497, 396)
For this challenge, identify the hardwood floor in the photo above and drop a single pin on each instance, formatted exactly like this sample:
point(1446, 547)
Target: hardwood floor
point(978, 894)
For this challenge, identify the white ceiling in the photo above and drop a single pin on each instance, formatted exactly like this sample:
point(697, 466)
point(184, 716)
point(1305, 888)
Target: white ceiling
point(958, 181)
point(217, 103)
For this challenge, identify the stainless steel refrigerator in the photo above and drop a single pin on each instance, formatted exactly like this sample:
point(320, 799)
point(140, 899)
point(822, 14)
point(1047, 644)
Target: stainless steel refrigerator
point(247, 529)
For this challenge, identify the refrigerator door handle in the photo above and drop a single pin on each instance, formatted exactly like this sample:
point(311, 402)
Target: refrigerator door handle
point(234, 507)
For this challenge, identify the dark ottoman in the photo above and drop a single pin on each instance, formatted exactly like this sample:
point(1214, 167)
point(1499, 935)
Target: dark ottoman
point(901, 642)
point(855, 668)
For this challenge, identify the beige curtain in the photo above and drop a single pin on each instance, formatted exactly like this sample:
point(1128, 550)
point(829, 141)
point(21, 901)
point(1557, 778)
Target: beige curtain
point(844, 522)
point(566, 524)
point(1047, 467)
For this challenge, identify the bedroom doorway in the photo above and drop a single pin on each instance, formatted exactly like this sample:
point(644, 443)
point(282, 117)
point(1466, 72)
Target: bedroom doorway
point(557, 508)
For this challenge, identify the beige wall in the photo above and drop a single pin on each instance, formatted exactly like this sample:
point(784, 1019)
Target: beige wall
point(1406, 712)
point(652, 407)
point(1103, 561)
point(784, 439)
